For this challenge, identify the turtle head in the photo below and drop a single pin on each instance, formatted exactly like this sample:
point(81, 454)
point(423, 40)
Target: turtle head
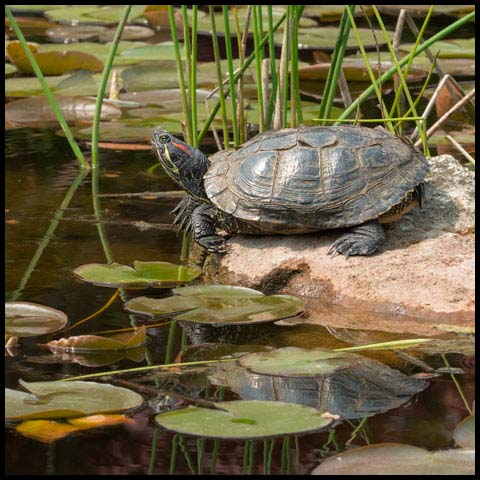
point(185, 164)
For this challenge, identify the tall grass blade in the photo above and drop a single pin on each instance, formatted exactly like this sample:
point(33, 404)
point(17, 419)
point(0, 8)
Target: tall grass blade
point(403, 61)
point(231, 78)
point(258, 66)
point(336, 63)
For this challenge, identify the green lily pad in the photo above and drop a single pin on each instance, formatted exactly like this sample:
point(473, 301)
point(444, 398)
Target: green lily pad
point(94, 343)
point(29, 86)
point(219, 305)
point(293, 361)
point(92, 14)
point(25, 319)
point(130, 32)
point(63, 399)
point(144, 274)
point(464, 433)
point(421, 10)
point(333, 13)
point(399, 459)
point(33, 8)
point(458, 48)
point(160, 51)
point(324, 38)
point(244, 419)
point(205, 26)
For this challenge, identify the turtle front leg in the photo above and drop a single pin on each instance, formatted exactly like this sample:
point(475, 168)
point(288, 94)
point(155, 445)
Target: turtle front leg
point(363, 239)
point(202, 224)
point(183, 212)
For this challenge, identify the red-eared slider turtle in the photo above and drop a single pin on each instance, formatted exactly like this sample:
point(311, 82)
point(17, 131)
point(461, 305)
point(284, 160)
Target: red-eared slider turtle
point(297, 180)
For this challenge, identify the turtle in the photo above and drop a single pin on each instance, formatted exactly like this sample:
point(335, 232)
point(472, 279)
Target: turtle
point(297, 181)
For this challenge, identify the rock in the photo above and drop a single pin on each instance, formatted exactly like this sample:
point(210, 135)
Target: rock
point(423, 274)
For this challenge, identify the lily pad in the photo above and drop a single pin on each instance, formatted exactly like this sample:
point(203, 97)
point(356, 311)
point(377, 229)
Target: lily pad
point(144, 274)
point(30, 25)
point(33, 8)
point(31, 112)
point(219, 305)
point(29, 86)
point(399, 459)
point(53, 63)
point(244, 419)
point(332, 13)
point(324, 38)
point(130, 32)
point(64, 399)
point(25, 319)
point(74, 33)
point(92, 14)
point(464, 433)
point(94, 343)
point(159, 51)
point(293, 361)
point(421, 10)
point(458, 48)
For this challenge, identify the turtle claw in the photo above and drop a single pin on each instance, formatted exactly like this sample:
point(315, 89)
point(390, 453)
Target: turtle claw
point(213, 244)
point(364, 240)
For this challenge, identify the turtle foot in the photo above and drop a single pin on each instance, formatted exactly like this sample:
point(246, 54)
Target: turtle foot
point(361, 240)
point(213, 244)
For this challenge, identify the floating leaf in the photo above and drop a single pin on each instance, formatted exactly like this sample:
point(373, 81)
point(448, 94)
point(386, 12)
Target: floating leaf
point(33, 8)
point(325, 38)
point(464, 433)
point(144, 274)
point(45, 431)
point(30, 25)
point(49, 431)
point(29, 86)
point(159, 51)
point(130, 32)
point(91, 14)
point(244, 419)
point(293, 361)
point(219, 305)
point(332, 13)
point(91, 343)
point(421, 10)
point(399, 459)
point(64, 399)
point(31, 112)
point(25, 319)
point(458, 48)
point(74, 33)
point(53, 63)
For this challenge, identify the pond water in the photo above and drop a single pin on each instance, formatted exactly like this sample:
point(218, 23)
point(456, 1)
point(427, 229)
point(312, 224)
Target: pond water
point(39, 171)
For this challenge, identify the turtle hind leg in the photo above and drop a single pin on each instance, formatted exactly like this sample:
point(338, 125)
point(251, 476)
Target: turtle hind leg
point(363, 239)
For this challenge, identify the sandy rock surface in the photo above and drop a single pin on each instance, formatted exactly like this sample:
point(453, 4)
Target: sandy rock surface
point(422, 275)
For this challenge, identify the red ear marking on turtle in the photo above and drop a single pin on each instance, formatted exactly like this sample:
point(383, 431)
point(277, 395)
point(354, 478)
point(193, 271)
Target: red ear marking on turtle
point(181, 147)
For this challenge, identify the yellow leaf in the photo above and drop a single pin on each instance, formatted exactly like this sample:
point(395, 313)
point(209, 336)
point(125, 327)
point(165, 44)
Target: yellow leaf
point(46, 431)
point(96, 421)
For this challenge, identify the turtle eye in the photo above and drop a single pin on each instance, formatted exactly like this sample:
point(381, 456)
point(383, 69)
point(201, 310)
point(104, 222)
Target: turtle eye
point(165, 138)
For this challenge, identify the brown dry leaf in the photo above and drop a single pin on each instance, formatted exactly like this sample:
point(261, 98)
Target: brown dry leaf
point(11, 221)
point(111, 175)
point(30, 25)
point(445, 101)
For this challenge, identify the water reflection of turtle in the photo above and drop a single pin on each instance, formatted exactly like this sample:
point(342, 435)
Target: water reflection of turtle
point(297, 180)
point(345, 384)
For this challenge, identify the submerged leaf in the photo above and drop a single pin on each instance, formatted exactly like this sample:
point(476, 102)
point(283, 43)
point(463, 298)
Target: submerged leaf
point(244, 419)
point(144, 274)
point(25, 319)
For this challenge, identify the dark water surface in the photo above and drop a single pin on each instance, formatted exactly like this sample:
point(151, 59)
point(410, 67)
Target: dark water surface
point(39, 171)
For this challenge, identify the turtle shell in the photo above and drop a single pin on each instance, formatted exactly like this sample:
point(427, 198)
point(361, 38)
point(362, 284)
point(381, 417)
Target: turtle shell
point(315, 177)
